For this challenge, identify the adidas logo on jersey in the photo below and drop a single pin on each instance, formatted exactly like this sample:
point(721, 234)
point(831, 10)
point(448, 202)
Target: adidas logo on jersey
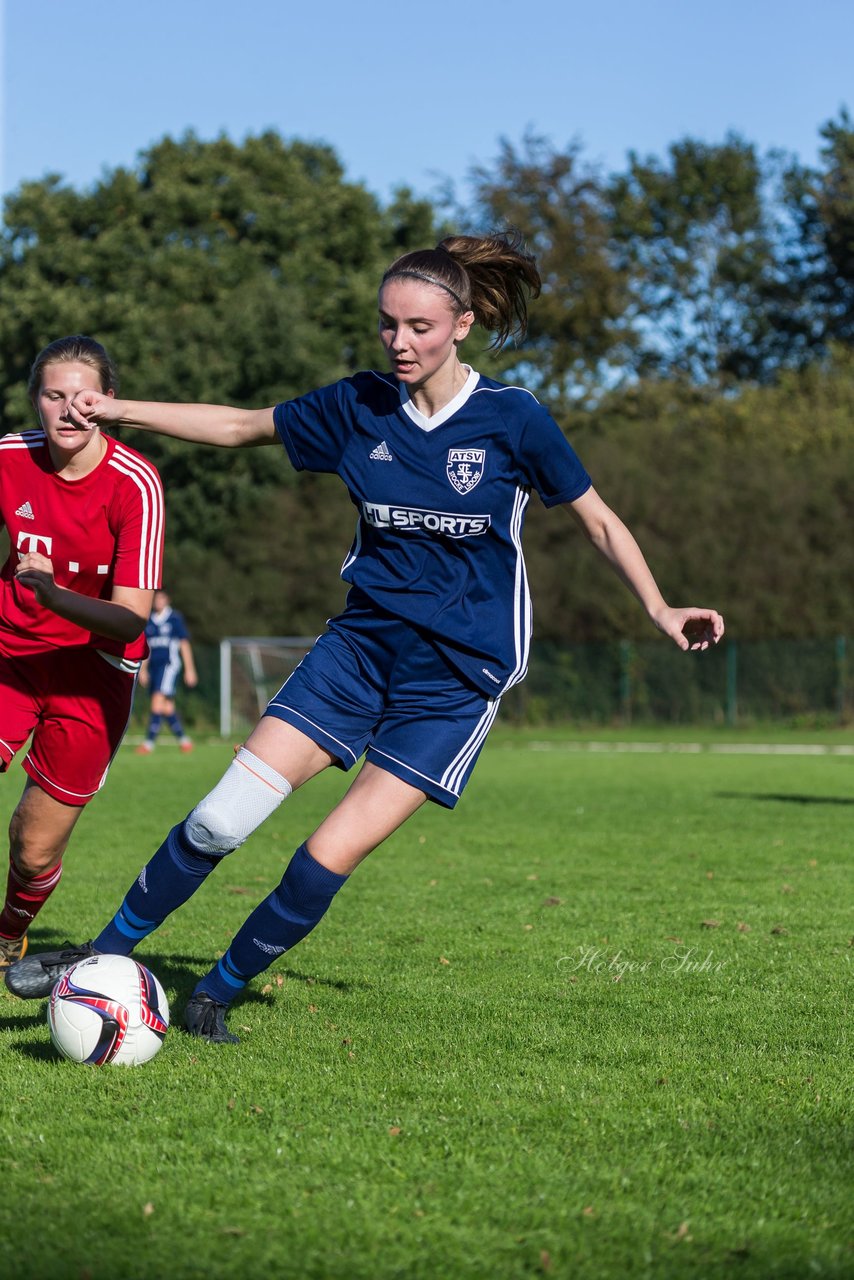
point(26, 511)
point(381, 453)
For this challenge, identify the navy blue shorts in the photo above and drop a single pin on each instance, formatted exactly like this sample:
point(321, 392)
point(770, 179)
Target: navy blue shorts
point(374, 684)
point(164, 679)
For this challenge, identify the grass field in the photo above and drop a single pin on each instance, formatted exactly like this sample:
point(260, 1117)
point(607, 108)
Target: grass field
point(591, 1025)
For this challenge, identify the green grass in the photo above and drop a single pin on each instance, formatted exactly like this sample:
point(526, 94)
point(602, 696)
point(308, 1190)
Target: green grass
point(592, 1025)
point(706, 735)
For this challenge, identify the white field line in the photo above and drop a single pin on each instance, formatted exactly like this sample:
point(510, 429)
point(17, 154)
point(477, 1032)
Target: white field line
point(698, 748)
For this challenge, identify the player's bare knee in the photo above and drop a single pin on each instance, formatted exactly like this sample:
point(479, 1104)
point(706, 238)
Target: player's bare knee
point(36, 847)
point(32, 858)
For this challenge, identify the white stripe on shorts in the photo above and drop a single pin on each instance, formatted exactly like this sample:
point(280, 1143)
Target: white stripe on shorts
point(455, 771)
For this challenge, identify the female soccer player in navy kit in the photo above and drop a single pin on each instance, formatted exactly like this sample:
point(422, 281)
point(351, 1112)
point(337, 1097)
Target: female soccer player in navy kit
point(169, 653)
point(84, 516)
point(439, 463)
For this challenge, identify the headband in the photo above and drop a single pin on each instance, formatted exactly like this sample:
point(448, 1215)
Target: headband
point(440, 284)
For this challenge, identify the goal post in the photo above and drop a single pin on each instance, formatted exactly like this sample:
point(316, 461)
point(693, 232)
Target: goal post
point(251, 669)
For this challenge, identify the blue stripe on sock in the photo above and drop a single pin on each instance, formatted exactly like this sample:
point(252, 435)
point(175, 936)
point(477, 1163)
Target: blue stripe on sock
point(228, 974)
point(133, 919)
point(277, 924)
point(136, 933)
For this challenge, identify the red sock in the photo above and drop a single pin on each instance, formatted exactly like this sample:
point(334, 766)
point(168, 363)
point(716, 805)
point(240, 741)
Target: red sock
point(25, 899)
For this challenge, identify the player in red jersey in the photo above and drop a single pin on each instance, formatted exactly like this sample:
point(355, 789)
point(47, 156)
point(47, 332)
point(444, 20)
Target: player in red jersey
point(84, 515)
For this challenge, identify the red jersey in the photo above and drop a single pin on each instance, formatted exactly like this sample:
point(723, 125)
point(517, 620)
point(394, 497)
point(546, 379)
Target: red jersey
point(100, 532)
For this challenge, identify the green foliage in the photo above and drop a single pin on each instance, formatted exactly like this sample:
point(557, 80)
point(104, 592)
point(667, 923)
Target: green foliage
point(214, 273)
point(693, 337)
point(818, 285)
point(560, 206)
point(836, 206)
point(694, 236)
point(742, 502)
point(278, 574)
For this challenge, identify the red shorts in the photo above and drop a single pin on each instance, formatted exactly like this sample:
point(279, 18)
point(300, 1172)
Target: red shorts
point(76, 705)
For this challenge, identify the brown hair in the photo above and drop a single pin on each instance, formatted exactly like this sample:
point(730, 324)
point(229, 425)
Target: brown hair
point(74, 350)
point(490, 275)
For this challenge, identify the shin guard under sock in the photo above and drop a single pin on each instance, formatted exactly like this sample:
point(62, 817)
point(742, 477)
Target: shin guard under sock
point(245, 796)
point(166, 882)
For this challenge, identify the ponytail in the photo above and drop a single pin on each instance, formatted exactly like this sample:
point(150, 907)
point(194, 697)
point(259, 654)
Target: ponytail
point(492, 276)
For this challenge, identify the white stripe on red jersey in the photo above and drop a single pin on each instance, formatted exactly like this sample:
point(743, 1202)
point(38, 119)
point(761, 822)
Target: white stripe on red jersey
point(144, 476)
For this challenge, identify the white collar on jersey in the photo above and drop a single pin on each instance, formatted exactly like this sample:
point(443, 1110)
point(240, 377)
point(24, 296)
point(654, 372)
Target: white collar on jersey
point(429, 424)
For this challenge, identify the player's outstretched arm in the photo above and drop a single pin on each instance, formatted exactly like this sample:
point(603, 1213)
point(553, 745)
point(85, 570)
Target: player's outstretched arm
point(689, 628)
point(217, 424)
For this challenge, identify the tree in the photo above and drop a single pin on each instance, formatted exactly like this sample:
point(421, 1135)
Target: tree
point(558, 203)
point(746, 501)
point(695, 237)
point(835, 201)
point(212, 272)
point(820, 266)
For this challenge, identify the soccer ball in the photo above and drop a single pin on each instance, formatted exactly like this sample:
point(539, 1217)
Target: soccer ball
point(108, 1009)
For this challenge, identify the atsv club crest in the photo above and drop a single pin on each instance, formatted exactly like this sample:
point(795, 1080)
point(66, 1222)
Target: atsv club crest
point(465, 468)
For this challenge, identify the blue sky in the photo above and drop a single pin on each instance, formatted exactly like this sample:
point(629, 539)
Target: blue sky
point(414, 94)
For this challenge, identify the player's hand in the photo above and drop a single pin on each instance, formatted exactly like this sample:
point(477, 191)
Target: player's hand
point(36, 572)
point(690, 628)
point(143, 677)
point(191, 680)
point(90, 407)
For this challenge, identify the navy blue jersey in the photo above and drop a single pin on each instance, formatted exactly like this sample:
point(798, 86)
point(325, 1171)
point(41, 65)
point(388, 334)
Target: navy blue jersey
point(441, 503)
point(164, 632)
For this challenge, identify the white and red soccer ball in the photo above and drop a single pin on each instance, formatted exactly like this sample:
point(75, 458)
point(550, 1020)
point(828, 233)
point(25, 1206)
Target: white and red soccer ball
point(108, 1009)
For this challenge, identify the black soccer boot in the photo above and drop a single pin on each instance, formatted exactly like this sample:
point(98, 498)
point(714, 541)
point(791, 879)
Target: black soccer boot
point(34, 976)
point(205, 1018)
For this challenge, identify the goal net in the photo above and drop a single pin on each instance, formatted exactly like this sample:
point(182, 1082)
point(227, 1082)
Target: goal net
point(251, 669)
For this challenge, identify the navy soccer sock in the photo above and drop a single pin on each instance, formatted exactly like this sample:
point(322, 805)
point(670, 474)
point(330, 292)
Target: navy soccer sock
point(172, 876)
point(175, 725)
point(278, 923)
point(154, 723)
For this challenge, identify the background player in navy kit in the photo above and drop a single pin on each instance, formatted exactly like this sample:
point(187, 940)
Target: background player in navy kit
point(84, 516)
point(439, 463)
point(170, 655)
